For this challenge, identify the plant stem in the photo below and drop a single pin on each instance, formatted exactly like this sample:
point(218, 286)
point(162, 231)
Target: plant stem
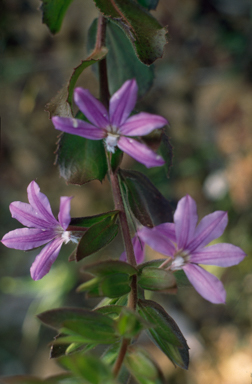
point(117, 195)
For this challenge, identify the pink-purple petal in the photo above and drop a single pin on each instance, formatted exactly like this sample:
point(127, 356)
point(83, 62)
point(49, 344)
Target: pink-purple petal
point(44, 260)
point(78, 127)
point(64, 211)
point(27, 238)
point(40, 203)
point(185, 219)
point(210, 228)
point(142, 124)
point(122, 102)
point(92, 108)
point(138, 247)
point(167, 230)
point(157, 240)
point(222, 255)
point(140, 152)
point(26, 215)
point(206, 284)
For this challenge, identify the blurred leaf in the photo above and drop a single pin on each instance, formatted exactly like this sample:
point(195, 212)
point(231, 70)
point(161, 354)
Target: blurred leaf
point(155, 279)
point(146, 202)
point(81, 160)
point(88, 221)
point(54, 12)
point(149, 4)
point(58, 349)
point(112, 310)
point(88, 367)
point(109, 267)
point(165, 333)
point(64, 378)
point(152, 263)
point(166, 151)
point(142, 367)
point(96, 237)
point(116, 159)
point(145, 33)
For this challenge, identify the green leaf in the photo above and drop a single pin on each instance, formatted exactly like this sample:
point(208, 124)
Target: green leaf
point(165, 332)
point(96, 330)
point(54, 12)
point(142, 367)
point(88, 367)
point(146, 202)
point(147, 36)
point(129, 323)
point(56, 318)
point(96, 237)
point(155, 279)
point(115, 285)
point(109, 267)
point(81, 160)
point(149, 4)
point(88, 221)
point(122, 62)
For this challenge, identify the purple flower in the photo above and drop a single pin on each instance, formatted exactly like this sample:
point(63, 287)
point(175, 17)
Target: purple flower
point(184, 244)
point(115, 125)
point(138, 247)
point(42, 229)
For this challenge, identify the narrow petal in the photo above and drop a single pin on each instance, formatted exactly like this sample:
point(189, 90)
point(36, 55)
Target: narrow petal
point(140, 152)
point(142, 124)
point(138, 247)
point(92, 108)
point(40, 204)
point(78, 127)
point(210, 228)
point(206, 284)
point(43, 262)
point(64, 212)
point(157, 240)
point(185, 219)
point(122, 102)
point(223, 255)
point(27, 238)
point(26, 215)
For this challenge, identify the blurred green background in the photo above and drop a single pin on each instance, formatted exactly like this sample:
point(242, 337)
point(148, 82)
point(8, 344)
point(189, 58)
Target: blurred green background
point(203, 86)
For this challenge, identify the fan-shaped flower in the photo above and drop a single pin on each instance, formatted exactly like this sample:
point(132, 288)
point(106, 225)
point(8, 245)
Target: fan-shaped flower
point(114, 126)
point(185, 245)
point(42, 229)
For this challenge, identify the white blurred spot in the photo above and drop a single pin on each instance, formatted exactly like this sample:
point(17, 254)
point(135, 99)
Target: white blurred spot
point(216, 185)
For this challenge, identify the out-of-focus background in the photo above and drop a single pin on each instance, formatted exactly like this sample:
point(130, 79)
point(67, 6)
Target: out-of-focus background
point(203, 86)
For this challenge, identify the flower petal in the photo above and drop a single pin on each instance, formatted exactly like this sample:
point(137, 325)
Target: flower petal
point(26, 215)
point(92, 108)
point(64, 211)
point(157, 240)
point(138, 247)
point(210, 228)
point(223, 255)
point(40, 204)
point(78, 127)
point(44, 260)
point(140, 152)
point(27, 238)
point(185, 219)
point(142, 124)
point(122, 102)
point(206, 284)
point(167, 230)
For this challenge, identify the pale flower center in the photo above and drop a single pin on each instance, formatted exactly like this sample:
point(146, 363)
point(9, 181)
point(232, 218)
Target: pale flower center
point(69, 236)
point(180, 259)
point(111, 142)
